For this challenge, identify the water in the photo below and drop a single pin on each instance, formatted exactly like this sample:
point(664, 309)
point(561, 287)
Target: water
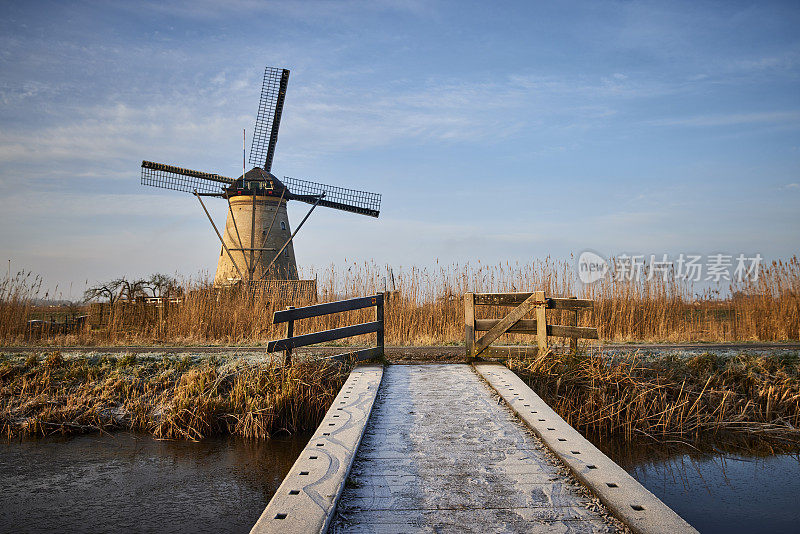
point(720, 492)
point(130, 482)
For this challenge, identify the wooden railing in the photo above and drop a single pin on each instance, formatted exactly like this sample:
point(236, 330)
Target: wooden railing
point(513, 323)
point(292, 314)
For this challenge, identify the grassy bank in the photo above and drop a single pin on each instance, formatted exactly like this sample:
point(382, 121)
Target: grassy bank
point(427, 307)
point(744, 399)
point(167, 397)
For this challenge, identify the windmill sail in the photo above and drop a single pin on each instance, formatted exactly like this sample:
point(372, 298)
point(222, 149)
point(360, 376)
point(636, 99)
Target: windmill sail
point(180, 179)
point(268, 120)
point(352, 200)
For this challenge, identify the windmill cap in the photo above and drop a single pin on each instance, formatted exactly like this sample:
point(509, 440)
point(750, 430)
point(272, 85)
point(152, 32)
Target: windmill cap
point(257, 174)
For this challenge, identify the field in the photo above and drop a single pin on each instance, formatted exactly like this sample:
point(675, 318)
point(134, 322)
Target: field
point(426, 307)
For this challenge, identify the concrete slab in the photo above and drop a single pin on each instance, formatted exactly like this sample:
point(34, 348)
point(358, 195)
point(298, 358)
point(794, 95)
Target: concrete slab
point(307, 498)
point(441, 454)
point(631, 502)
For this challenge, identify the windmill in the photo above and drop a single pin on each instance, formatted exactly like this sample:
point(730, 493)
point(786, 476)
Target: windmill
point(257, 240)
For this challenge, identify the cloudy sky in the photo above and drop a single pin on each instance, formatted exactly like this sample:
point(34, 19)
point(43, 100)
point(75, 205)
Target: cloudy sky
point(507, 131)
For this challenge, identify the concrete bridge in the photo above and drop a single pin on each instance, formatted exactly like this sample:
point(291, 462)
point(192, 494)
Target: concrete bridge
point(455, 448)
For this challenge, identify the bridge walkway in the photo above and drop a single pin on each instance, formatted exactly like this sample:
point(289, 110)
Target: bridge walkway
point(442, 453)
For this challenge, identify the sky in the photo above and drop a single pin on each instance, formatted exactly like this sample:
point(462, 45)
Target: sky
point(508, 131)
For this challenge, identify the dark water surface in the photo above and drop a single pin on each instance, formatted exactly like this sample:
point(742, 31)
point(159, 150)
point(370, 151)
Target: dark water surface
point(720, 492)
point(130, 482)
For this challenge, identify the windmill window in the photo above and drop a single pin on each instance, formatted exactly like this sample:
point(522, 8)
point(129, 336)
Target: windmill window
point(283, 225)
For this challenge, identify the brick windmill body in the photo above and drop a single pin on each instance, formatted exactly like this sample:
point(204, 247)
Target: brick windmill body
point(257, 241)
point(257, 232)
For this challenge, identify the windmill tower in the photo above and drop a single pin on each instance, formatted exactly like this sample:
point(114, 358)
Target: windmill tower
point(256, 242)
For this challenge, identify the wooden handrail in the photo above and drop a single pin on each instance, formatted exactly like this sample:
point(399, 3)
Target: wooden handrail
point(291, 314)
point(515, 299)
point(325, 309)
point(325, 335)
point(528, 326)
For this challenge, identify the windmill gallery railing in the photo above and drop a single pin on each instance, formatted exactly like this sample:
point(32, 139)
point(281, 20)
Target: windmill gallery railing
point(513, 323)
point(291, 314)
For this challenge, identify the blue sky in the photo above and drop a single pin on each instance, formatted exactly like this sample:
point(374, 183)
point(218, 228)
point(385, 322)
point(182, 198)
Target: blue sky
point(495, 131)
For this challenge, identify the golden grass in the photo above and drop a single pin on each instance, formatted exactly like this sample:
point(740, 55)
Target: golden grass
point(707, 396)
point(169, 398)
point(427, 307)
point(16, 303)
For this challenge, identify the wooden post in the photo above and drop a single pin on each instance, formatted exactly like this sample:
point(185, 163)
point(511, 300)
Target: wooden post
point(287, 353)
point(379, 317)
point(469, 323)
point(573, 342)
point(541, 323)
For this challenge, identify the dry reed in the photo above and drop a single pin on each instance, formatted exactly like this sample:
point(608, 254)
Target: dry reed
point(17, 294)
point(706, 396)
point(170, 398)
point(427, 308)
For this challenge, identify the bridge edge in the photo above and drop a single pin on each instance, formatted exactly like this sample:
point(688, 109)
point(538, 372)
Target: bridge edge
point(318, 485)
point(594, 469)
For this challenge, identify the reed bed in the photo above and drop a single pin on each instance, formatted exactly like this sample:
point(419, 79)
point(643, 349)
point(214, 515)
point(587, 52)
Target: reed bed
point(17, 296)
point(704, 398)
point(169, 398)
point(426, 307)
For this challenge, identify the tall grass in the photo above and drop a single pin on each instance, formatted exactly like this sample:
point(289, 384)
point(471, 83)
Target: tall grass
point(767, 309)
point(170, 398)
point(17, 296)
point(707, 396)
point(427, 307)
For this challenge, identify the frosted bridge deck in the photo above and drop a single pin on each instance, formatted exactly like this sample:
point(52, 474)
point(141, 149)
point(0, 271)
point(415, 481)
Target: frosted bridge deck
point(454, 448)
point(441, 453)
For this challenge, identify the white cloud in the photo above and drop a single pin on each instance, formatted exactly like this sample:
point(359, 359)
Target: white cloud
point(732, 119)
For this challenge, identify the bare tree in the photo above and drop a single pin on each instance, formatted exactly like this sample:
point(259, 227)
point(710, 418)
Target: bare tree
point(110, 290)
point(162, 285)
point(133, 289)
point(159, 285)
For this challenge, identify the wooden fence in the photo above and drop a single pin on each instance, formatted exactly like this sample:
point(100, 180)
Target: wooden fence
point(292, 314)
point(513, 323)
point(132, 314)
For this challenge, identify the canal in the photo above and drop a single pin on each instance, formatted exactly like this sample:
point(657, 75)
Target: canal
point(719, 491)
point(132, 482)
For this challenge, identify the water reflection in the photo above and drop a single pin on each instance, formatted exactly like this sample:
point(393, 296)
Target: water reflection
point(101, 483)
point(718, 491)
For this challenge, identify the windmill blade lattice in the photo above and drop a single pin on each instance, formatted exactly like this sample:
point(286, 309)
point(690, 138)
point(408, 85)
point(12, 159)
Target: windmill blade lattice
point(268, 120)
point(352, 200)
point(180, 179)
